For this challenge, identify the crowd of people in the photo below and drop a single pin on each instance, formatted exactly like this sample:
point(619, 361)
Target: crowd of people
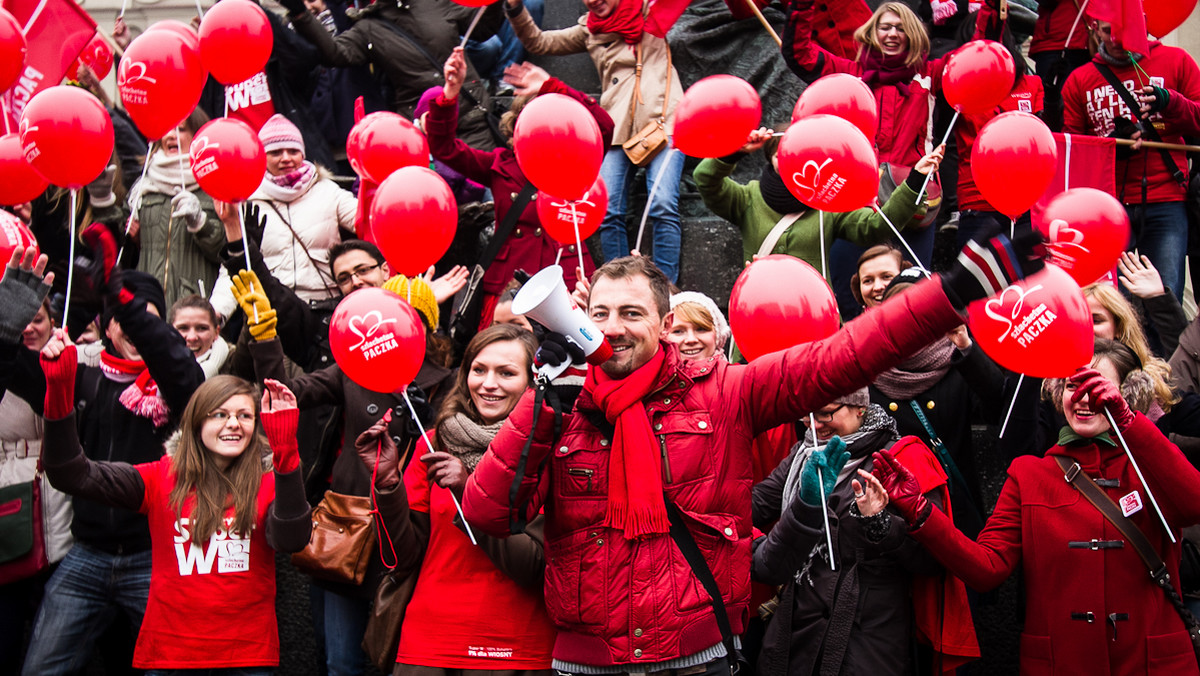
point(673, 510)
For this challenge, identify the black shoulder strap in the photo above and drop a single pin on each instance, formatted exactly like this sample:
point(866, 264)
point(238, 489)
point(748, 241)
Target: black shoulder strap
point(1147, 129)
point(691, 552)
point(504, 228)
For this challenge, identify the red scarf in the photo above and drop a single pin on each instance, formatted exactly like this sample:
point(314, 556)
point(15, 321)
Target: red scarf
point(141, 397)
point(625, 20)
point(635, 490)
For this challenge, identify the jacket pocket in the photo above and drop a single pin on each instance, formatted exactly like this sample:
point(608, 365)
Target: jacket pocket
point(576, 578)
point(1170, 654)
point(1037, 655)
point(581, 467)
point(685, 443)
point(717, 538)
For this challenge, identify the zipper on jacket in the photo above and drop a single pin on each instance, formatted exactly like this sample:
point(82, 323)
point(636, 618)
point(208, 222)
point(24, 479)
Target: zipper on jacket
point(662, 443)
point(582, 471)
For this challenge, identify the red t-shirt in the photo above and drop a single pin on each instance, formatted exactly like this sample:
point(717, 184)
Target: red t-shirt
point(1053, 25)
point(210, 606)
point(1090, 106)
point(465, 613)
point(1027, 97)
point(250, 101)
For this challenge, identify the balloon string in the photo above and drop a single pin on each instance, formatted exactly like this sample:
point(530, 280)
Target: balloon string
point(812, 421)
point(124, 4)
point(650, 198)
point(1012, 228)
point(199, 9)
point(578, 242)
point(1008, 415)
point(1074, 25)
point(901, 238)
point(471, 28)
point(71, 256)
point(429, 445)
point(1128, 454)
point(558, 256)
point(821, 234)
point(7, 122)
point(182, 169)
point(137, 203)
point(949, 130)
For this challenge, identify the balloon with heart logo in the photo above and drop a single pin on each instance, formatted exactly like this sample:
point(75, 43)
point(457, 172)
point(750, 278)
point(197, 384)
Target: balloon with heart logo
point(1041, 326)
point(843, 95)
point(13, 234)
point(413, 219)
point(160, 78)
point(828, 164)
point(383, 142)
point(377, 339)
point(1086, 231)
point(1011, 145)
point(779, 301)
point(555, 214)
point(19, 183)
point(97, 56)
point(715, 116)
point(978, 76)
point(558, 145)
point(235, 40)
point(67, 135)
point(12, 50)
point(228, 159)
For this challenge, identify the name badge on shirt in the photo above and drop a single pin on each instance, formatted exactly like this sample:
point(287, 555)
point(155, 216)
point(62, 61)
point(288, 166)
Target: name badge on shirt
point(1131, 503)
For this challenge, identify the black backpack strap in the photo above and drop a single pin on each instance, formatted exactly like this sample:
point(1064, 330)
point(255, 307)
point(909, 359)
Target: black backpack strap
point(1148, 129)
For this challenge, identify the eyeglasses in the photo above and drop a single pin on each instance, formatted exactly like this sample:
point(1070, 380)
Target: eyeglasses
point(889, 27)
point(223, 417)
point(827, 416)
point(360, 272)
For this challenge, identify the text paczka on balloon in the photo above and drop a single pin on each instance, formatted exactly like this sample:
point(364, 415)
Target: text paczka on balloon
point(1041, 326)
point(227, 159)
point(556, 217)
point(159, 79)
point(377, 339)
point(828, 164)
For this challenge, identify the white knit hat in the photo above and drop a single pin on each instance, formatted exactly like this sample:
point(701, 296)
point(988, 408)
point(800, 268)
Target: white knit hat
point(279, 133)
point(720, 326)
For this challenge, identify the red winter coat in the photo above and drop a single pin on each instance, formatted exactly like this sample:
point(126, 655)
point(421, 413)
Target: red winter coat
point(528, 246)
point(1039, 513)
point(618, 601)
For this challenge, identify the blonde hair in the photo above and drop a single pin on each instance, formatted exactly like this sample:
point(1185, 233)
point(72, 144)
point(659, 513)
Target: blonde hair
point(1127, 330)
point(918, 38)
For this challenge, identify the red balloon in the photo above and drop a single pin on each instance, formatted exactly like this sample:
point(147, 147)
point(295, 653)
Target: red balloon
point(228, 159)
point(13, 234)
point(190, 38)
point(843, 95)
point(777, 302)
point(413, 219)
point(12, 50)
point(558, 145)
point(1087, 230)
point(160, 79)
point(555, 214)
point(235, 40)
point(383, 142)
point(1041, 326)
point(978, 76)
point(1164, 16)
point(377, 339)
point(67, 135)
point(715, 116)
point(19, 183)
point(97, 56)
point(1014, 144)
point(828, 164)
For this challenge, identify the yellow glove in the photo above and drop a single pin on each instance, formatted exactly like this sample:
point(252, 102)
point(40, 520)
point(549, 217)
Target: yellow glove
point(248, 292)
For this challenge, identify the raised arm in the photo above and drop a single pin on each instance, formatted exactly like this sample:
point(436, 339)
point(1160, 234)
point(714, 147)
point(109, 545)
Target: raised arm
point(350, 48)
point(808, 60)
point(571, 40)
point(289, 519)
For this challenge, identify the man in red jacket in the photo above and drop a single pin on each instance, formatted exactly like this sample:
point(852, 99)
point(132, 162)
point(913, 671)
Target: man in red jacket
point(650, 424)
point(1151, 183)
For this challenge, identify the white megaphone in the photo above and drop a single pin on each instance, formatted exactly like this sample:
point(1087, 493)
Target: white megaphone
point(544, 298)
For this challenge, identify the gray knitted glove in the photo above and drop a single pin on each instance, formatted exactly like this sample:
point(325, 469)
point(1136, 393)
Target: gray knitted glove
point(186, 206)
point(100, 191)
point(21, 294)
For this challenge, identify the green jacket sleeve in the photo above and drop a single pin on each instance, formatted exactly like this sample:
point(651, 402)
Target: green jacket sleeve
point(865, 227)
point(721, 194)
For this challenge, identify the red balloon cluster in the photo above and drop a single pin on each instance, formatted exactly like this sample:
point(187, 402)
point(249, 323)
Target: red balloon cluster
point(715, 116)
point(383, 142)
point(228, 159)
point(1086, 230)
point(13, 234)
point(12, 50)
point(97, 56)
point(1041, 326)
point(1013, 161)
point(779, 301)
point(235, 40)
point(828, 164)
point(19, 183)
point(1164, 16)
point(842, 95)
point(160, 78)
point(978, 76)
point(558, 145)
point(67, 135)
point(555, 214)
point(377, 339)
point(413, 219)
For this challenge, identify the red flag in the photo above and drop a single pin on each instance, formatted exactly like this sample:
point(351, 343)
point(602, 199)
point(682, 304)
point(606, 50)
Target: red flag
point(56, 31)
point(1128, 21)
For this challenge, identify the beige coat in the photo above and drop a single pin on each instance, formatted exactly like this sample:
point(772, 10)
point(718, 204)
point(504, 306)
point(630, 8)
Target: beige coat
point(616, 62)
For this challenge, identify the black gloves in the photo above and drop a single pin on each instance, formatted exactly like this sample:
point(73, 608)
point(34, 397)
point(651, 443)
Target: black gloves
point(99, 272)
point(1124, 128)
point(254, 223)
point(987, 265)
point(556, 350)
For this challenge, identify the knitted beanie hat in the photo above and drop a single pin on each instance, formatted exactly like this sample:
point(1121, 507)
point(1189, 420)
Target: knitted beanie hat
point(279, 133)
point(720, 326)
point(422, 300)
point(860, 397)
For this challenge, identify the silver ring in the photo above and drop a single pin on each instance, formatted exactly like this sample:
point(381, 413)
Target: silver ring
point(858, 496)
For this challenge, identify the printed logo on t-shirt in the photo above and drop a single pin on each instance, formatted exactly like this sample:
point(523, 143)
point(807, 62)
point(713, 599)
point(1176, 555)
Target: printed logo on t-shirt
point(488, 651)
point(1025, 105)
point(1104, 104)
point(229, 550)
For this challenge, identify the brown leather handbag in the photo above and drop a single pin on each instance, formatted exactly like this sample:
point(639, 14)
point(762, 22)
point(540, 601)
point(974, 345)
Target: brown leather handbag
point(644, 146)
point(342, 540)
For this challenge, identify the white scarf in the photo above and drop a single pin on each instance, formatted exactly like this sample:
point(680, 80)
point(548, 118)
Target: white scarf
point(165, 175)
point(212, 360)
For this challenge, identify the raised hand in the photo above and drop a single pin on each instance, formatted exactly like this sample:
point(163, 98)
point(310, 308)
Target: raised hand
point(446, 471)
point(903, 489)
point(1102, 393)
point(526, 78)
point(1140, 277)
point(455, 72)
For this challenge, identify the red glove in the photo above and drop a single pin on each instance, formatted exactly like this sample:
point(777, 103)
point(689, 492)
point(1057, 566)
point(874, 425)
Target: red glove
point(904, 492)
point(60, 384)
point(280, 426)
point(1101, 393)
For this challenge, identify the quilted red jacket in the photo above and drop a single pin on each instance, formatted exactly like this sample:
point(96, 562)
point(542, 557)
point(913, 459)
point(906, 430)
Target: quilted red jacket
point(618, 601)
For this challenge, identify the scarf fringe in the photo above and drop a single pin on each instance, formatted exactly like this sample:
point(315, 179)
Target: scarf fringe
point(145, 405)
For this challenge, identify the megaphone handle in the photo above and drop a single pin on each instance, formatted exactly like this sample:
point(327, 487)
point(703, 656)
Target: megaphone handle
point(550, 372)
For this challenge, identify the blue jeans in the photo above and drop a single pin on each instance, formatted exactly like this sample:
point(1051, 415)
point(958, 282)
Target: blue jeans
point(491, 56)
point(82, 598)
point(618, 172)
point(1160, 232)
point(227, 671)
point(342, 621)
